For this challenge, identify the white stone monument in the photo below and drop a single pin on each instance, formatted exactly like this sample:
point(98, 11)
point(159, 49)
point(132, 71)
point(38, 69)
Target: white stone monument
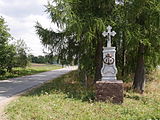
point(109, 88)
point(109, 69)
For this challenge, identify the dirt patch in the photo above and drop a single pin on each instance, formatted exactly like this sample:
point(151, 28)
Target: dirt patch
point(3, 104)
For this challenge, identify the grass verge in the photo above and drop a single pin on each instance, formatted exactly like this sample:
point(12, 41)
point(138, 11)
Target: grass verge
point(32, 69)
point(66, 98)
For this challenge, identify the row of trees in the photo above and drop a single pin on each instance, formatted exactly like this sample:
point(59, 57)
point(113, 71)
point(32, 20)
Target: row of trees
point(11, 55)
point(47, 59)
point(137, 23)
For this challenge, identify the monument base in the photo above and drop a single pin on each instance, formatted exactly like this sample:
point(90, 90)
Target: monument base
point(109, 91)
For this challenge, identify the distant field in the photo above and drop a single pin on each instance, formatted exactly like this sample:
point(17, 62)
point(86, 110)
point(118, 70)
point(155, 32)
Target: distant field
point(35, 65)
point(31, 69)
point(66, 98)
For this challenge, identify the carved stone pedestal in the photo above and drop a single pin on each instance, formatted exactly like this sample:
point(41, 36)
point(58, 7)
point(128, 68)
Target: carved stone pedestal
point(109, 91)
point(109, 69)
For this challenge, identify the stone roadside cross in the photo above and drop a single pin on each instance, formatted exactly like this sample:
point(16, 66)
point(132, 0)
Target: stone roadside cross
point(108, 88)
point(109, 33)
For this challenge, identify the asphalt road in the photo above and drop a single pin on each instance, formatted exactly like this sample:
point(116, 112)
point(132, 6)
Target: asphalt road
point(12, 87)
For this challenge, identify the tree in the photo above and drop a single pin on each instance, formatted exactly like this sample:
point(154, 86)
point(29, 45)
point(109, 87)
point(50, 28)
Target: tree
point(21, 57)
point(144, 19)
point(11, 55)
point(10, 58)
point(82, 22)
point(5, 49)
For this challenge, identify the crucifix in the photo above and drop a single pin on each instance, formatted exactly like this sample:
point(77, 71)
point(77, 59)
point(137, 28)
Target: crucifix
point(109, 33)
point(108, 81)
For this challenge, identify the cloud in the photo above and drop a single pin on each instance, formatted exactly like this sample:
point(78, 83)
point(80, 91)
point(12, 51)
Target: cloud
point(21, 17)
point(42, 2)
point(1, 3)
point(21, 8)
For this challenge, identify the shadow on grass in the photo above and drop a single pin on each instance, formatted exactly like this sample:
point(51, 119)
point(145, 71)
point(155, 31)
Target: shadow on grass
point(143, 99)
point(134, 97)
point(67, 84)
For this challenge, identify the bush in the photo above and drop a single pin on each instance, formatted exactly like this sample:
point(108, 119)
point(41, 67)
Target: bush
point(2, 72)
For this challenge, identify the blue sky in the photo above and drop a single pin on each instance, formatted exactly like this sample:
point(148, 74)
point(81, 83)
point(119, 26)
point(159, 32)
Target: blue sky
point(21, 16)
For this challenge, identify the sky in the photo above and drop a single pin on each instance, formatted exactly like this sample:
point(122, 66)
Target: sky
point(21, 17)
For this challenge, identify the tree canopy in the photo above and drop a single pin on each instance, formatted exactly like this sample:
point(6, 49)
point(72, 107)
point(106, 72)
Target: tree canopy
point(11, 55)
point(82, 22)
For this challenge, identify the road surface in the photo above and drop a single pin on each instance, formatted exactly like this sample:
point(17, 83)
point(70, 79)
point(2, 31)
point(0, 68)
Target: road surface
point(12, 87)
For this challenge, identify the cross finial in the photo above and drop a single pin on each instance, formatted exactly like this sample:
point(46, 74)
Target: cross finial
point(109, 33)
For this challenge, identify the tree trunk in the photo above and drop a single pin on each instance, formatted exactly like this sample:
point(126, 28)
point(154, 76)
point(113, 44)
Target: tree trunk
point(98, 60)
point(124, 62)
point(139, 80)
point(123, 54)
